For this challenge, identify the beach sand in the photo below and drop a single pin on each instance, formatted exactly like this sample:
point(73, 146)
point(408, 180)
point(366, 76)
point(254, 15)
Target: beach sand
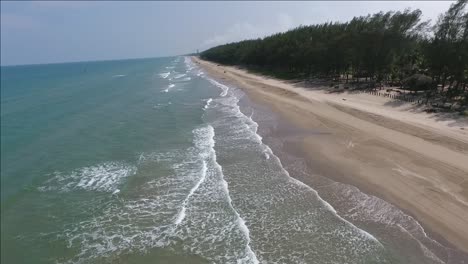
point(411, 159)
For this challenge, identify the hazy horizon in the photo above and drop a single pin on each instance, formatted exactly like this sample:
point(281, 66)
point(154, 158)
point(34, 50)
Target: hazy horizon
point(58, 32)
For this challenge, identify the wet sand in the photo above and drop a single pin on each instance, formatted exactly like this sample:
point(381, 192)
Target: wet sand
point(417, 164)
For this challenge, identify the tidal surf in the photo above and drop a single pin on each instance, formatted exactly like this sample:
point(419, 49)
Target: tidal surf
point(153, 161)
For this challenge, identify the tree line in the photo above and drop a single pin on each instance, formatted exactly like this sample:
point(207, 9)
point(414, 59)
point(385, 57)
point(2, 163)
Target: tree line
point(392, 48)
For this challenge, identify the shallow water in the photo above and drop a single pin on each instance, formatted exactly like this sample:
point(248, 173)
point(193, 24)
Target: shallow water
point(150, 160)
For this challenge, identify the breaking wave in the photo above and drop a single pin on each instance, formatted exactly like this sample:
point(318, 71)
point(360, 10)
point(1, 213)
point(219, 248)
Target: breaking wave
point(103, 177)
point(164, 74)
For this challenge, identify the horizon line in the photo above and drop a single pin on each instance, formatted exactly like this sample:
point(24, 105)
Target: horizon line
point(98, 60)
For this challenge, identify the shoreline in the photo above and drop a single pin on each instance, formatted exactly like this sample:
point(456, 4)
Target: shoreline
point(417, 166)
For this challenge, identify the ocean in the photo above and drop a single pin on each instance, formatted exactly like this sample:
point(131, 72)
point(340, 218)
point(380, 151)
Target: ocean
point(153, 161)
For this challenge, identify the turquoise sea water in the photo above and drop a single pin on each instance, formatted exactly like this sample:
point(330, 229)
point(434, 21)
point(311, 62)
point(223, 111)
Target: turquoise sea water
point(152, 161)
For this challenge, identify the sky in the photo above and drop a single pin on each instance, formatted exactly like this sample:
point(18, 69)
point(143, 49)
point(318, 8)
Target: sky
point(48, 32)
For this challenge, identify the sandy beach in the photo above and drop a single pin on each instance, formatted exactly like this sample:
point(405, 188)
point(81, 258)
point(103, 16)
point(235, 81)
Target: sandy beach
point(414, 160)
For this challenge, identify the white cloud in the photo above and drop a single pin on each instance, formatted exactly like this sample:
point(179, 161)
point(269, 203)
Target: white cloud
point(245, 30)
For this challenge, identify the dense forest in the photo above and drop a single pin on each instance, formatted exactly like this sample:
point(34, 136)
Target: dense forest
point(393, 49)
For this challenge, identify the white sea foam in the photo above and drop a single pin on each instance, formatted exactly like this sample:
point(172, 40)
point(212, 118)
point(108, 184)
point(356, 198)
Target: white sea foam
point(208, 103)
point(181, 214)
point(269, 153)
point(203, 141)
point(189, 63)
point(168, 88)
point(161, 105)
point(239, 131)
point(251, 257)
point(327, 205)
point(168, 210)
point(103, 177)
point(186, 79)
point(211, 171)
point(164, 74)
point(223, 87)
point(152, 218)
point(119, 75)
point(369, 208)
point(180, 75)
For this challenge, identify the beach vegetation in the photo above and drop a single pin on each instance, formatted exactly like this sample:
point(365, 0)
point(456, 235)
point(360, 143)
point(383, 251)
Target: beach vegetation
point(396, 49)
